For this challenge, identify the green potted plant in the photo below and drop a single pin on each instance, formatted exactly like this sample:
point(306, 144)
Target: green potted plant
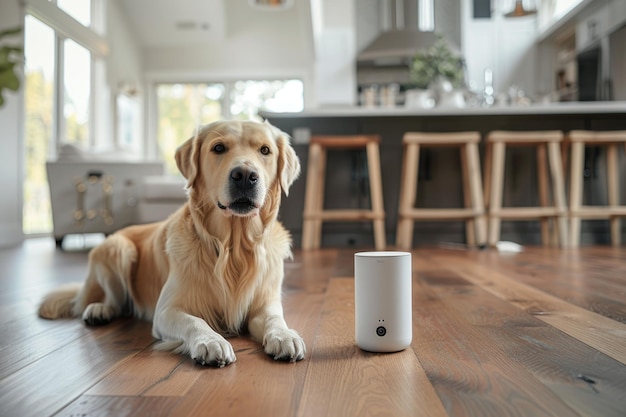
point(437, 63)
point(10, 56)
point(436, 73)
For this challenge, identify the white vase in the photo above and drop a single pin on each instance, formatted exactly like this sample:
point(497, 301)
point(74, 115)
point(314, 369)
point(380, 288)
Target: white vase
point(417, 98)
point(446, 95)
point(453, 98)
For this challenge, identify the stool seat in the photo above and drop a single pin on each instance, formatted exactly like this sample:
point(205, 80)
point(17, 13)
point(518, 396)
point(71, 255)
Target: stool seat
point(315, 214)
point(551, 208)
point(344, 141)
point(473, 213)
point(612, 211)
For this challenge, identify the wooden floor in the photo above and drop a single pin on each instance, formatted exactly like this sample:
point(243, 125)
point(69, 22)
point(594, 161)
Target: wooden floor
point(540, 333)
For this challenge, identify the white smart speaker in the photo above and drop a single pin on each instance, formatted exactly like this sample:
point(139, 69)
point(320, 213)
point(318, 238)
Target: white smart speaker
point(382, 301)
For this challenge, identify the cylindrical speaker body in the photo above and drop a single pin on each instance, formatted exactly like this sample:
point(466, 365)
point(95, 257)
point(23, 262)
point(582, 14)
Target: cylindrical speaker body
point(383, 301)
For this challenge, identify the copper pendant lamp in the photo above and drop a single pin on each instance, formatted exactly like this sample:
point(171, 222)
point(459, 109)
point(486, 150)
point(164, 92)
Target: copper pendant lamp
point(520, 11)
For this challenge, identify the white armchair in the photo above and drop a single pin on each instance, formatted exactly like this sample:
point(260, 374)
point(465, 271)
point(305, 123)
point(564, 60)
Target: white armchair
point(95, 193)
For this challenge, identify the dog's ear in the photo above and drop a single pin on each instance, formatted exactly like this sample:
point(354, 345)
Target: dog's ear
point(187, 158)
point(288, 161)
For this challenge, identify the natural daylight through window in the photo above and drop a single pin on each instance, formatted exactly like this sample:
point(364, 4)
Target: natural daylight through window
point(59, 95)
point(184, 107)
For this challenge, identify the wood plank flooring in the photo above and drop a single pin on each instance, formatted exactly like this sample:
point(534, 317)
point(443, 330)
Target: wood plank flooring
point(539, 333)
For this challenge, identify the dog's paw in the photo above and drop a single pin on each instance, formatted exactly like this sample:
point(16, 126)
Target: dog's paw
point(215, 352)
point(97, 314)
point(284, 345)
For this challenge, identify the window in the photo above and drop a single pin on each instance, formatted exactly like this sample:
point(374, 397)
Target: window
point(426, 15)
point(78, 9)
point(184, 107)
point(39, 51)
point(59, 95)
point(128, 122)
point(248, 97)
point(76, 94)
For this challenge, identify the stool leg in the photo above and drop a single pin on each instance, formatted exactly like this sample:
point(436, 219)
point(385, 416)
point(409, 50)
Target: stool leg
point(565, 156)
point(376, 195)
point(544, 199)
point(495, 195)
point(575, 193)
point(310, 204)
point(476, 192)
point(487, 174)
point(319, 199)
point(613, 191)
point(558, 189)
point(470, 226)
point(409, 180)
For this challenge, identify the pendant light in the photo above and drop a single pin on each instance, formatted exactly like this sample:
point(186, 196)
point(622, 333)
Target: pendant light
point(520, 11)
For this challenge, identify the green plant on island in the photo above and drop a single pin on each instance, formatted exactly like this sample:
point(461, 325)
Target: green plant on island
point(437, 63)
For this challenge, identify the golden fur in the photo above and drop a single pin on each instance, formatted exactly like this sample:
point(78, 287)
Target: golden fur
point(212, 269)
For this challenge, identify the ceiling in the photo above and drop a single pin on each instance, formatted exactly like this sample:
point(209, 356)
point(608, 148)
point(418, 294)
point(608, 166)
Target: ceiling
point(162, 23)
point(169, 23)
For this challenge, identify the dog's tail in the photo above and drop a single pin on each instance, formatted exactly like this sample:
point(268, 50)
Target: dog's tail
point(60, 302)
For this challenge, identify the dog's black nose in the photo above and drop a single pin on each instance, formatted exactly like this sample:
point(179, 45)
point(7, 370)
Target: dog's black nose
point(244, 178)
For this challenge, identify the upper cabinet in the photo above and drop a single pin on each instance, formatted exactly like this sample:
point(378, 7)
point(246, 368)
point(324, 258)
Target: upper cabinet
point(579, 51)
point(592, 26)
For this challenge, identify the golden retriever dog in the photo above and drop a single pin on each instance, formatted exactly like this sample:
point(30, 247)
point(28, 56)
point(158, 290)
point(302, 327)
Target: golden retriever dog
point(214, 268)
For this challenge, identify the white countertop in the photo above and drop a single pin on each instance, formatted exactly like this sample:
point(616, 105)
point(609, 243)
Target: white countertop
point(599, 107)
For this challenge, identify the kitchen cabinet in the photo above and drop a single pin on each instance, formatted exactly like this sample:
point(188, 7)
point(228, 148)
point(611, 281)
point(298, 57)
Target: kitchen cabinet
point(440, 169)
point(592, 28)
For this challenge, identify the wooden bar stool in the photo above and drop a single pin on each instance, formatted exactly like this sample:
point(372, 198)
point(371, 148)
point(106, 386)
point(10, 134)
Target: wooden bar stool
point(474, 211)
point(613, 211)
point(314, 212)
point(549, 141)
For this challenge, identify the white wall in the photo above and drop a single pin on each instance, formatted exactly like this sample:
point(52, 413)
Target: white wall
point(124, 61)
point(368, 23)
point(335, 53)
point(507, 46)
point(269, 44)
point(124, 64)
point(11, 116)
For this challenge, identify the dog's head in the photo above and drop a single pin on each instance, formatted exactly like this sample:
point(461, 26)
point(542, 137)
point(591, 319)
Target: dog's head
point(238, 166)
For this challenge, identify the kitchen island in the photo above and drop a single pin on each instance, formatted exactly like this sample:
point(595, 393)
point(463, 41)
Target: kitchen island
point(440, 184)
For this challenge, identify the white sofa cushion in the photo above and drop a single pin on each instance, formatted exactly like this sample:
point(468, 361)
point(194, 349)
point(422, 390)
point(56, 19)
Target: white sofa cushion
point(163, 188)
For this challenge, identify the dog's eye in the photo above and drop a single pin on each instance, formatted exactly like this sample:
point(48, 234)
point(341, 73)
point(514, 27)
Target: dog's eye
point(219, 148)
point(265, 150)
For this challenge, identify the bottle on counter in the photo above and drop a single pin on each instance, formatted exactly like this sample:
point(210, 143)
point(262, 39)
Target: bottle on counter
point(369, 96)
point(489, 98)
point(389, 95)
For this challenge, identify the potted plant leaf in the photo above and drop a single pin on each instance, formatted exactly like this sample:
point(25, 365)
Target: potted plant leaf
point(10, 56)
point(438, 70)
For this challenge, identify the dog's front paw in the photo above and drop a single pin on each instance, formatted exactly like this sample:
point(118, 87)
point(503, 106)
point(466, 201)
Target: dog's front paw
point(97, 314)
point(213, 352)
point(284, 345)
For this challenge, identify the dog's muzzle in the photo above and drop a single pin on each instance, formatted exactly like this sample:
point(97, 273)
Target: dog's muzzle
point(243, 191)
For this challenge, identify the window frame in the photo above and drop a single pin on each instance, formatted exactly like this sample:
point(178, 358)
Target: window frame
point(90, 37)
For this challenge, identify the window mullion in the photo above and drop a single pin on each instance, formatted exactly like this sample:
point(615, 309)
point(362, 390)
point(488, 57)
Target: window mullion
point(151, 113)
point(91, 123)
point(228, 87)
point(59, 88)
